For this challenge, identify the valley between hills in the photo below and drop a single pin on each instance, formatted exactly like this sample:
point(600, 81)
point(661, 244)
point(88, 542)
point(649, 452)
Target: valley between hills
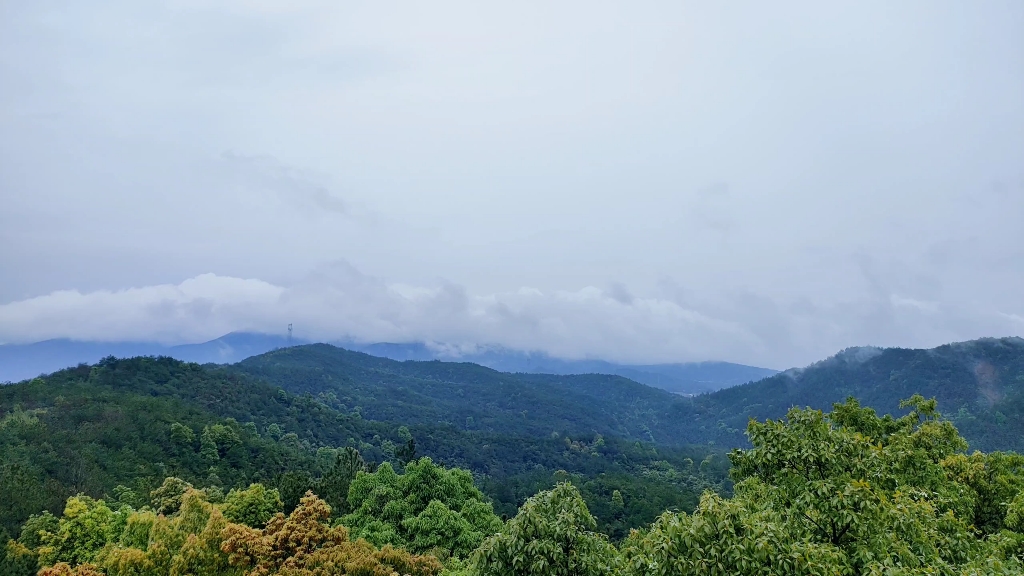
point(431, 467)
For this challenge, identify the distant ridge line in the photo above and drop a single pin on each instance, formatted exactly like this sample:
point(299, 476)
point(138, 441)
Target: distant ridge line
point(22, 361)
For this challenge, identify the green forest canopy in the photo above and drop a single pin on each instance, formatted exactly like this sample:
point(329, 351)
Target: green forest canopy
point(134, 422)
point(319, 444)
point(845, 492)
point(980, 385)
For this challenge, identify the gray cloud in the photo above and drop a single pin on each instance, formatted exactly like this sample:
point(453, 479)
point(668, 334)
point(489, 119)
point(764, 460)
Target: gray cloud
point(339, 302)
point(768, 184)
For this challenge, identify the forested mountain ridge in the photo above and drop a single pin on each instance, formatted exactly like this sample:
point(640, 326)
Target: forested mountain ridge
point(680, 378)
point(845, 492)
point(470, 396)
point(171, 447)
point(21, 361)
point(131, 422)
point(979, 385)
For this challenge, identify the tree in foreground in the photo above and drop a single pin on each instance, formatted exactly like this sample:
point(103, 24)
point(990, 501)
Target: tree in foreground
point(428, 509)
point(822, 494)
point(553, 534)
point(840, 493)
point(303, 544)
point(197, 540)
point(253, 506)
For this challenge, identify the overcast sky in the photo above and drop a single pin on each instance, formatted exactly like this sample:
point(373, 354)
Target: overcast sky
point(758, 182)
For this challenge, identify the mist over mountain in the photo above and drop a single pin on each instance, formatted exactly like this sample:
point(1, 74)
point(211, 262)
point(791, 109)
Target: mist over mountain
point(21, 361)
point(681, 378)
point(979, 386)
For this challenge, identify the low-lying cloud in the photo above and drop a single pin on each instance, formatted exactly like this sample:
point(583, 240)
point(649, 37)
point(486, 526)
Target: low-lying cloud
point(339, 302)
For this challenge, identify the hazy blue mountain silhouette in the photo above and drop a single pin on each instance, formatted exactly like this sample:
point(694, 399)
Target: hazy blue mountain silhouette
point(681, 378)
point(22, 361)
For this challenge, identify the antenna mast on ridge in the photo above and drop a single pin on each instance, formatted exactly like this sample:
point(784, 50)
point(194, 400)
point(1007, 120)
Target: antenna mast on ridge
point(289, 334)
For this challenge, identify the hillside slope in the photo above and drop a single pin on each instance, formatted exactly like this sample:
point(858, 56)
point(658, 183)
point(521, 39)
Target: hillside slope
point(978, 384)
point(471, 397)
point(21, 361)
point(681, 378)
point(91, 428)
point(133, 422)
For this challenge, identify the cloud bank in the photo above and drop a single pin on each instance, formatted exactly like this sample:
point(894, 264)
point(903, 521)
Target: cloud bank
point(338, 302)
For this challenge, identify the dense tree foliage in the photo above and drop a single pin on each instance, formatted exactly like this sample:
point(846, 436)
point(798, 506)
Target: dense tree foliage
point(253, 506)
point(471, 397)
point(152, 466)
point(552, 534)
point(197, 539)
point(134, 422)
point(979, 384)
point(426, 509)
point(819, 494)
point(117, 429)
point(845, 492)
point(303, 544)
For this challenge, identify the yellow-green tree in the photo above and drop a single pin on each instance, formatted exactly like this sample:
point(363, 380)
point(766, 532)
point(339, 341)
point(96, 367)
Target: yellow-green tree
point(183, 544)
point(303, 544)
point(253, 506)
point(85, 528)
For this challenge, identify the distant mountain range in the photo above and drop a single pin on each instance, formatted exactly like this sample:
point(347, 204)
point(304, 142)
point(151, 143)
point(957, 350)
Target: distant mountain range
point(468, 396)
point(681, 378)
point(979, 385)
point(283, 415)
point(22, 361)
point(90, 428)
